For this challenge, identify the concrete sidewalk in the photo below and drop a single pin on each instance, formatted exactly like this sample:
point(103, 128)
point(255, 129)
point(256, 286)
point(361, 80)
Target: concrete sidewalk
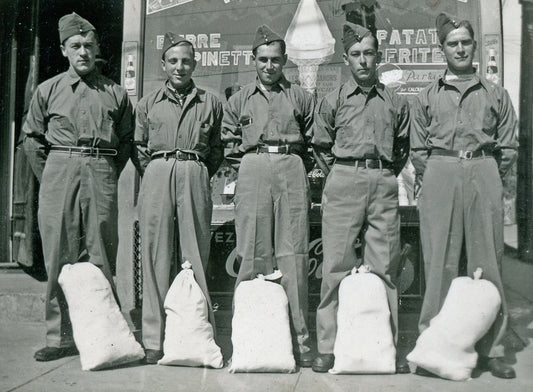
point(22, 333)
point(20, 372)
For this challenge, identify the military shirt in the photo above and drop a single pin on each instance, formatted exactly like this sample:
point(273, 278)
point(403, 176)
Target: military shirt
point(281, 116)
point(482, 117)
point(70, 110)
point(163, 125)
point(350, 124)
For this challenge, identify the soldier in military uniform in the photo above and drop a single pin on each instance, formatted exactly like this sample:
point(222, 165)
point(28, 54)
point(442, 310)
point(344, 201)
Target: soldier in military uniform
point(78, 138)
point(361, 139)
point(178, 131)
point(268, 123)
point(463, 140)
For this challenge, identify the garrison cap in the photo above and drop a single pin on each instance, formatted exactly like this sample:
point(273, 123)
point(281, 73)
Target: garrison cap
point(73, 24)
point(171, 40)
point(444, 25)
point(352, 33)
point(265, 35)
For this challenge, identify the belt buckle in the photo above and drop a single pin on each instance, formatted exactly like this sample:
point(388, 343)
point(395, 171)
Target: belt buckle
point(466, 154)
point(86, 150)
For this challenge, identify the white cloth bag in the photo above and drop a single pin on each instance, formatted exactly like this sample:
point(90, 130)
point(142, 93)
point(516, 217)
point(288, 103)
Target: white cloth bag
point(261, 334)
point(446, 347)
point(189, 337)
point(364, 342)
point(100, 331)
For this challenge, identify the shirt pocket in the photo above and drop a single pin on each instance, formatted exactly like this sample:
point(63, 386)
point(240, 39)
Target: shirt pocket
point(289, 125)
point(489, 120)
point(383, 122)
point(386, 136)
point(106, 132)
point(154, 130)
point(250, 134)
point(201, 133)
point(61, 129)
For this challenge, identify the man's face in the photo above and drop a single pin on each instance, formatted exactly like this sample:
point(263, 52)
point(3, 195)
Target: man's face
point(269, 62)
point(80, 50)
point(179, 64)
point(459, 48)
point(362, 59)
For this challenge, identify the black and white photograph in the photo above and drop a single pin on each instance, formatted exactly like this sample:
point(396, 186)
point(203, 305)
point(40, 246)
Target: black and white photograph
point(266, 195)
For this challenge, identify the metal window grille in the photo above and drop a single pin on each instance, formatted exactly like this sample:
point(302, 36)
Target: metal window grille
point(137, 266)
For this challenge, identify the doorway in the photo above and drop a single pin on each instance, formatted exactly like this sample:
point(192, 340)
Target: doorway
point(32, 42)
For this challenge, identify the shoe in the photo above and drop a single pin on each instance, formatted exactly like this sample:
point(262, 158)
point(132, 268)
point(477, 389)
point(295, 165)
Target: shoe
point(323, 362)
point(152, 356)
point(496, 367)
point(402, 367)
point(304, 359)
point(423, 372)
point(53, 353)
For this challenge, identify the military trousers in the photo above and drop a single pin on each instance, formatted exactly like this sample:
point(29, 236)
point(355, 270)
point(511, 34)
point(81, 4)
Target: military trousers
point(357, 199)
point(272, 227)
point(175, 221)
point(78, 222)
point(461, 204)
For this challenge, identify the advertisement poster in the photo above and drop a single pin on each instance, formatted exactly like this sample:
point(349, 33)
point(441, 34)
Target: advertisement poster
point(223, 31)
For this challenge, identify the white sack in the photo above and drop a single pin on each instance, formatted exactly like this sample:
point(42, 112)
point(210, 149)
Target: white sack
point(261, 333)
point(446, 347)
point(364, 342)
point(101, 333)
point(189, 338)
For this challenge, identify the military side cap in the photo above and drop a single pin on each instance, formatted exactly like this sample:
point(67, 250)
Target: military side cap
point(265, 35)
point(445, 24)
point(171, 40)
point(352, 33)
point(73, 24)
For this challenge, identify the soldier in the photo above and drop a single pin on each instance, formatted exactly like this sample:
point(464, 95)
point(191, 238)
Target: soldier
point(464, 128)
point(361, 140)
point(268, 122)
point(78, 136)
point(178, 128)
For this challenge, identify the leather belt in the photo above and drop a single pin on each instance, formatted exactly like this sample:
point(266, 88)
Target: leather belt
point(462, 154)
point(364, 163)
point(179, 155)
point(85, 151)
point(285, 149)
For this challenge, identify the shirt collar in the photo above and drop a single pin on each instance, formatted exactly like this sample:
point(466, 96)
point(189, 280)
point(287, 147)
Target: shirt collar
point(442, 79)
point(353, 88)
point(73, 77)
point(283, 84)
point(167, 92)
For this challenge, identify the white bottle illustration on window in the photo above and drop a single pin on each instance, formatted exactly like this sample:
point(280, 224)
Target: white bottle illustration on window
point(129, 77)
point(492, 67)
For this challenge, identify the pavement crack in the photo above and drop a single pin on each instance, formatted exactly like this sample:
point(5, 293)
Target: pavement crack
point(36, 377)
